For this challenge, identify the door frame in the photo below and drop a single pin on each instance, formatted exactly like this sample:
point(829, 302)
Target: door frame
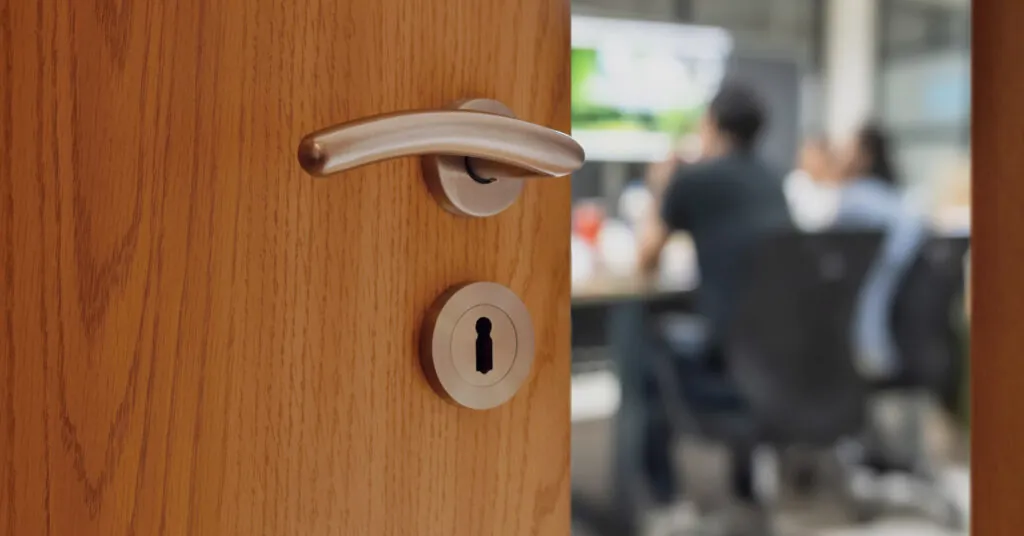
point(997, 337)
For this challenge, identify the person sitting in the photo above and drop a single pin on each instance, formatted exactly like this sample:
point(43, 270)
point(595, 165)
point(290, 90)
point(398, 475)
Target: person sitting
point(811, 188)
point(870, 198)
point(726, 200)
point(869, 195)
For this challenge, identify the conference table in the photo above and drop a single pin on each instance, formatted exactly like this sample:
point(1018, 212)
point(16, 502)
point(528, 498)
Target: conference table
point(594, 300)
point(609, 290)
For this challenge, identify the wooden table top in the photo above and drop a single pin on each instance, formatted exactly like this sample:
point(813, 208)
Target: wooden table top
point(625, 288)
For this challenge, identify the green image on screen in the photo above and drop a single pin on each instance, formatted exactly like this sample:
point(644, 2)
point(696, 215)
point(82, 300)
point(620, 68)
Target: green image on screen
point(589, 112)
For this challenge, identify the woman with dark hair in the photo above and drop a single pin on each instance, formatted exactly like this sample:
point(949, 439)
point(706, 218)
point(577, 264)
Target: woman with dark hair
point(870, 198)
point(873, 142)
point(869, 195)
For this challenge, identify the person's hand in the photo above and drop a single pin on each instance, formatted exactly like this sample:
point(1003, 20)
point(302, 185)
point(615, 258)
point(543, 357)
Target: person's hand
point(660, 173)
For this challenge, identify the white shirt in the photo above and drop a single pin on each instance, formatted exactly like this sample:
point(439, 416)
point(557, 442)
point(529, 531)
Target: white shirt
point(812, 205)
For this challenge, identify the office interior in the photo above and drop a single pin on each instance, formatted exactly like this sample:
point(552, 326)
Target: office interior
point(643, 73)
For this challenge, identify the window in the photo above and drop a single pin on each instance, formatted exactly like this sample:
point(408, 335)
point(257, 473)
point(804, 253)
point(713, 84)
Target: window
point(923, 88)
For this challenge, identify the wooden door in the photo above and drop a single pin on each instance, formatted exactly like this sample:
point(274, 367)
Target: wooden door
point(997, 278)
point(197, 338)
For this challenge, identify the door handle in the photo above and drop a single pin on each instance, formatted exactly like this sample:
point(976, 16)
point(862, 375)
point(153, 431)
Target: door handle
point(475, 153)
point(507, 147)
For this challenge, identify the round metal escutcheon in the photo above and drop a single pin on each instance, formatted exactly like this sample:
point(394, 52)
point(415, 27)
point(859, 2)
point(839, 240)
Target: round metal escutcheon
point(477, 345)
point(453, 187)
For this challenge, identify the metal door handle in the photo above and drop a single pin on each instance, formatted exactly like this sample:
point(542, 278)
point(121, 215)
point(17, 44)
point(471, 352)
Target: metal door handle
point(485, 138)
point(477, 140)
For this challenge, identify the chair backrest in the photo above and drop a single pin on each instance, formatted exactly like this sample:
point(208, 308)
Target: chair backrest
point(788, 346)
point(923, 317)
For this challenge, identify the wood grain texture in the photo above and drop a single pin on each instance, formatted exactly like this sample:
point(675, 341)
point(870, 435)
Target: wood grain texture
point(198, 339)
point(997, 324)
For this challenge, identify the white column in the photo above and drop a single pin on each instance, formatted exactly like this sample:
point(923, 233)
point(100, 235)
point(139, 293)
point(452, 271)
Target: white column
point(851, 49)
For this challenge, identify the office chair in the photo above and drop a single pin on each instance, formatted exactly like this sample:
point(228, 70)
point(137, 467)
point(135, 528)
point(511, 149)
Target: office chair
point(931, 368)
point(923, 322)
point(787, 349)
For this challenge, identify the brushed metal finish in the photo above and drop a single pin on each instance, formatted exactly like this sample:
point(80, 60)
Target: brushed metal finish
point(455, 190)
point(448, 345)
point(481, 135)
point(538, 150)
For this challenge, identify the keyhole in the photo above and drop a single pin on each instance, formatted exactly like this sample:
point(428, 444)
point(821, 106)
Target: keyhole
point(484, 346)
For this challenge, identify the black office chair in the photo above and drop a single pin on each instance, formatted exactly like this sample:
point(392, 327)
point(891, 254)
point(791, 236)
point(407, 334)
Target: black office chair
point(931, 367)
point(787, 350)
point(923, 321)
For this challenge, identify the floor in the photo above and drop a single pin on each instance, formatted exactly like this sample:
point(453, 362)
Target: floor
point(958, 483)
point(595, 401)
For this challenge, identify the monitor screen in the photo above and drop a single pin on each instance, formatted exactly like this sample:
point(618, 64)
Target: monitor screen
point(638, 87)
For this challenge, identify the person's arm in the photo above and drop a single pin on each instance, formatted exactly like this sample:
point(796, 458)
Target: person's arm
point(653, 237)
point(659, 175)
point(673, 215)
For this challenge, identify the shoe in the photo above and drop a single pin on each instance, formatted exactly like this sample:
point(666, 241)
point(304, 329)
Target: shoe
point(671, 520)
point(737, 520)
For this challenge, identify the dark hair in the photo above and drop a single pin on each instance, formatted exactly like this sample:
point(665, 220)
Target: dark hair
point(738, 112)
point(874, 142)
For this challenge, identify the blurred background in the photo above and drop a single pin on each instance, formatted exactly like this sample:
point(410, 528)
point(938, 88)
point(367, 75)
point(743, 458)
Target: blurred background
point(830, 396)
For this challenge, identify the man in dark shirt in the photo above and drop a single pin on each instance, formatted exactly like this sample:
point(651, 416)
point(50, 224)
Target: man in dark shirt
point(726, 201)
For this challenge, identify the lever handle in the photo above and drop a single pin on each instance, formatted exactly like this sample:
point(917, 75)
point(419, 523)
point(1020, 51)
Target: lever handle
point(498, 147)
point(471, 151)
